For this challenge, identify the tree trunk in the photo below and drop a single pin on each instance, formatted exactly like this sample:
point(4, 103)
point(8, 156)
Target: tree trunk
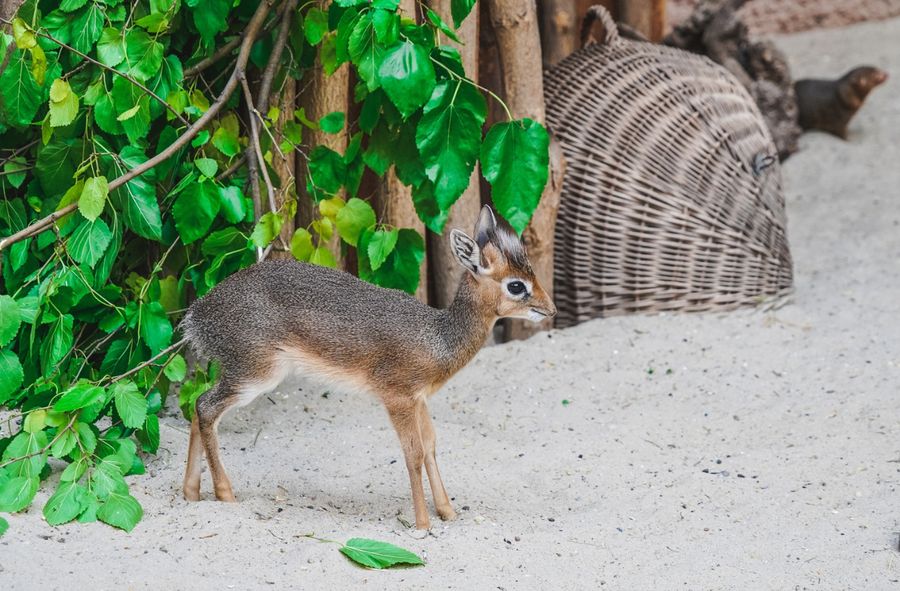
point(558, 30)
point(445, 271)
point(321, 94)
point(518, 42)
point(393, 200)
point(647, 17)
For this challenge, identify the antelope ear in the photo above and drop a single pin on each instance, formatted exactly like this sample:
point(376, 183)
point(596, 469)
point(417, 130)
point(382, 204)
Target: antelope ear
point(466, 251)
point(487, 224)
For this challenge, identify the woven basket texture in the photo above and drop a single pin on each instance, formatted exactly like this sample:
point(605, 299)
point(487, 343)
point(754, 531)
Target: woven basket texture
point(672, 199)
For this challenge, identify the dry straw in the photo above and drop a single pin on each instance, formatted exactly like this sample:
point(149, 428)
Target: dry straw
point(672, 198)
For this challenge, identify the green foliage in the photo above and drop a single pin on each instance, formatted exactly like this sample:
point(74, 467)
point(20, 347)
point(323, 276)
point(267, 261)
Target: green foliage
point(375, 554)
point(89, 306)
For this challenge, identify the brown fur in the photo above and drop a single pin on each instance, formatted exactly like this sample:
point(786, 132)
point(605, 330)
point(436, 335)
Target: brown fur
point(829, 105)
point(274, 318)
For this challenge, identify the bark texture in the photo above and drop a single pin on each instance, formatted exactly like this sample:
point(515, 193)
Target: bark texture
point(558, 30)
point(445, 271)
point(648, 17)
point(519, 46)
point(321, 94)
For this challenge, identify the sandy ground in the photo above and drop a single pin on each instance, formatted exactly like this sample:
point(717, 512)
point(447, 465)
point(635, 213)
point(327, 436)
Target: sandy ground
point(765, 17)
point(753, 450)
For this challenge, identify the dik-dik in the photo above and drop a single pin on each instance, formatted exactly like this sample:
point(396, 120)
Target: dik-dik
point(280, 317)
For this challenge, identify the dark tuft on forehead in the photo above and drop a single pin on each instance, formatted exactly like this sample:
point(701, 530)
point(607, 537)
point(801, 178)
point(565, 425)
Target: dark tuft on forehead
point(505, 239)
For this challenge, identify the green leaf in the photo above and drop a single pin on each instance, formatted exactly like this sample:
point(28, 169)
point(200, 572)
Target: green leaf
point(54, 166)
point(381, 244)
point(233, 204)
point(57, 344)
point(29, 306)
point(386, 24)
point(143, 55)
point(71, 5)
point(111, 47)
point(438, 22)
point(35, 421)
point(227, 141)
point(21, 95)
point(207, 166)
point(64, 444)
point(25, 452)
point(137, 198)
point(448, 137)
point(514, 160)
point(120, 510)
point(459, 10)
point(93, 197)
point(17, 493)
point(79, 396)
point(131, 406)
point(353, 218)
point(149, 435)
point(332, 122)
point(15, 170)
point(155, 328)
point(364, 49)
point(4, 525)
point(211, 17)
point(301, 244)
point(375, 554)
point(89, 241)
point(86, 28)
point(315, 25)
point(322, 256)
point(135, 121)
point(407, 76)
point(266, 229)
point(65, 504)
point(63, 103)
point(11, 375)
point(176, 368)
point(86, 437)
point(10, 319)
point(195, 209)
point(327, 172)
point(401, 268)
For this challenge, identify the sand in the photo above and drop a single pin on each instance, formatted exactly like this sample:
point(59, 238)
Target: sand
point(750, 450)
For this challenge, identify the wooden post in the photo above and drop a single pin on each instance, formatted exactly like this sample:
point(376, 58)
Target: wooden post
point(322, 94)
point(518, 42)
point(393, 200)
point(445, 271)
point(559, 30)
point(648, 17)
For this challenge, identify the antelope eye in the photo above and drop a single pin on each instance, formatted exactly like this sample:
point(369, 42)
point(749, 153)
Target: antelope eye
point(516, 287)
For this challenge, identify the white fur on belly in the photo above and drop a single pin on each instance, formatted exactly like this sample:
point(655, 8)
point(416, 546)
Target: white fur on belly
point(292, 361)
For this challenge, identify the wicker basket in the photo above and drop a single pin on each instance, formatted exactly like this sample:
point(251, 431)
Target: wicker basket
point(672, 198)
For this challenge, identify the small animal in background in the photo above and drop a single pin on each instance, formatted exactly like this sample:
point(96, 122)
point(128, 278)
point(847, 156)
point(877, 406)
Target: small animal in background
point(275, 318)
point(829, 105)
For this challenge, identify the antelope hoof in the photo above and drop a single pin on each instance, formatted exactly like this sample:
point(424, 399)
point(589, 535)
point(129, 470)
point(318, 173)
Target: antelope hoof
point(424, 524)
point(226, 496)
point(191, 494)
point(446, 513)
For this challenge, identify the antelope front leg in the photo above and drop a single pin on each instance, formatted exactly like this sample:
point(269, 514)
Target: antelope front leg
point(438, 492)
point(406, 423)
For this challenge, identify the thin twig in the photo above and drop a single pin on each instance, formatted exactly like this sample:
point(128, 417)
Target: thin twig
point(170, 349)
point(254, 140)
point(219, 54)
point(232, 169)
point(265, 85)
point(18, 151)
point(252, 30)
